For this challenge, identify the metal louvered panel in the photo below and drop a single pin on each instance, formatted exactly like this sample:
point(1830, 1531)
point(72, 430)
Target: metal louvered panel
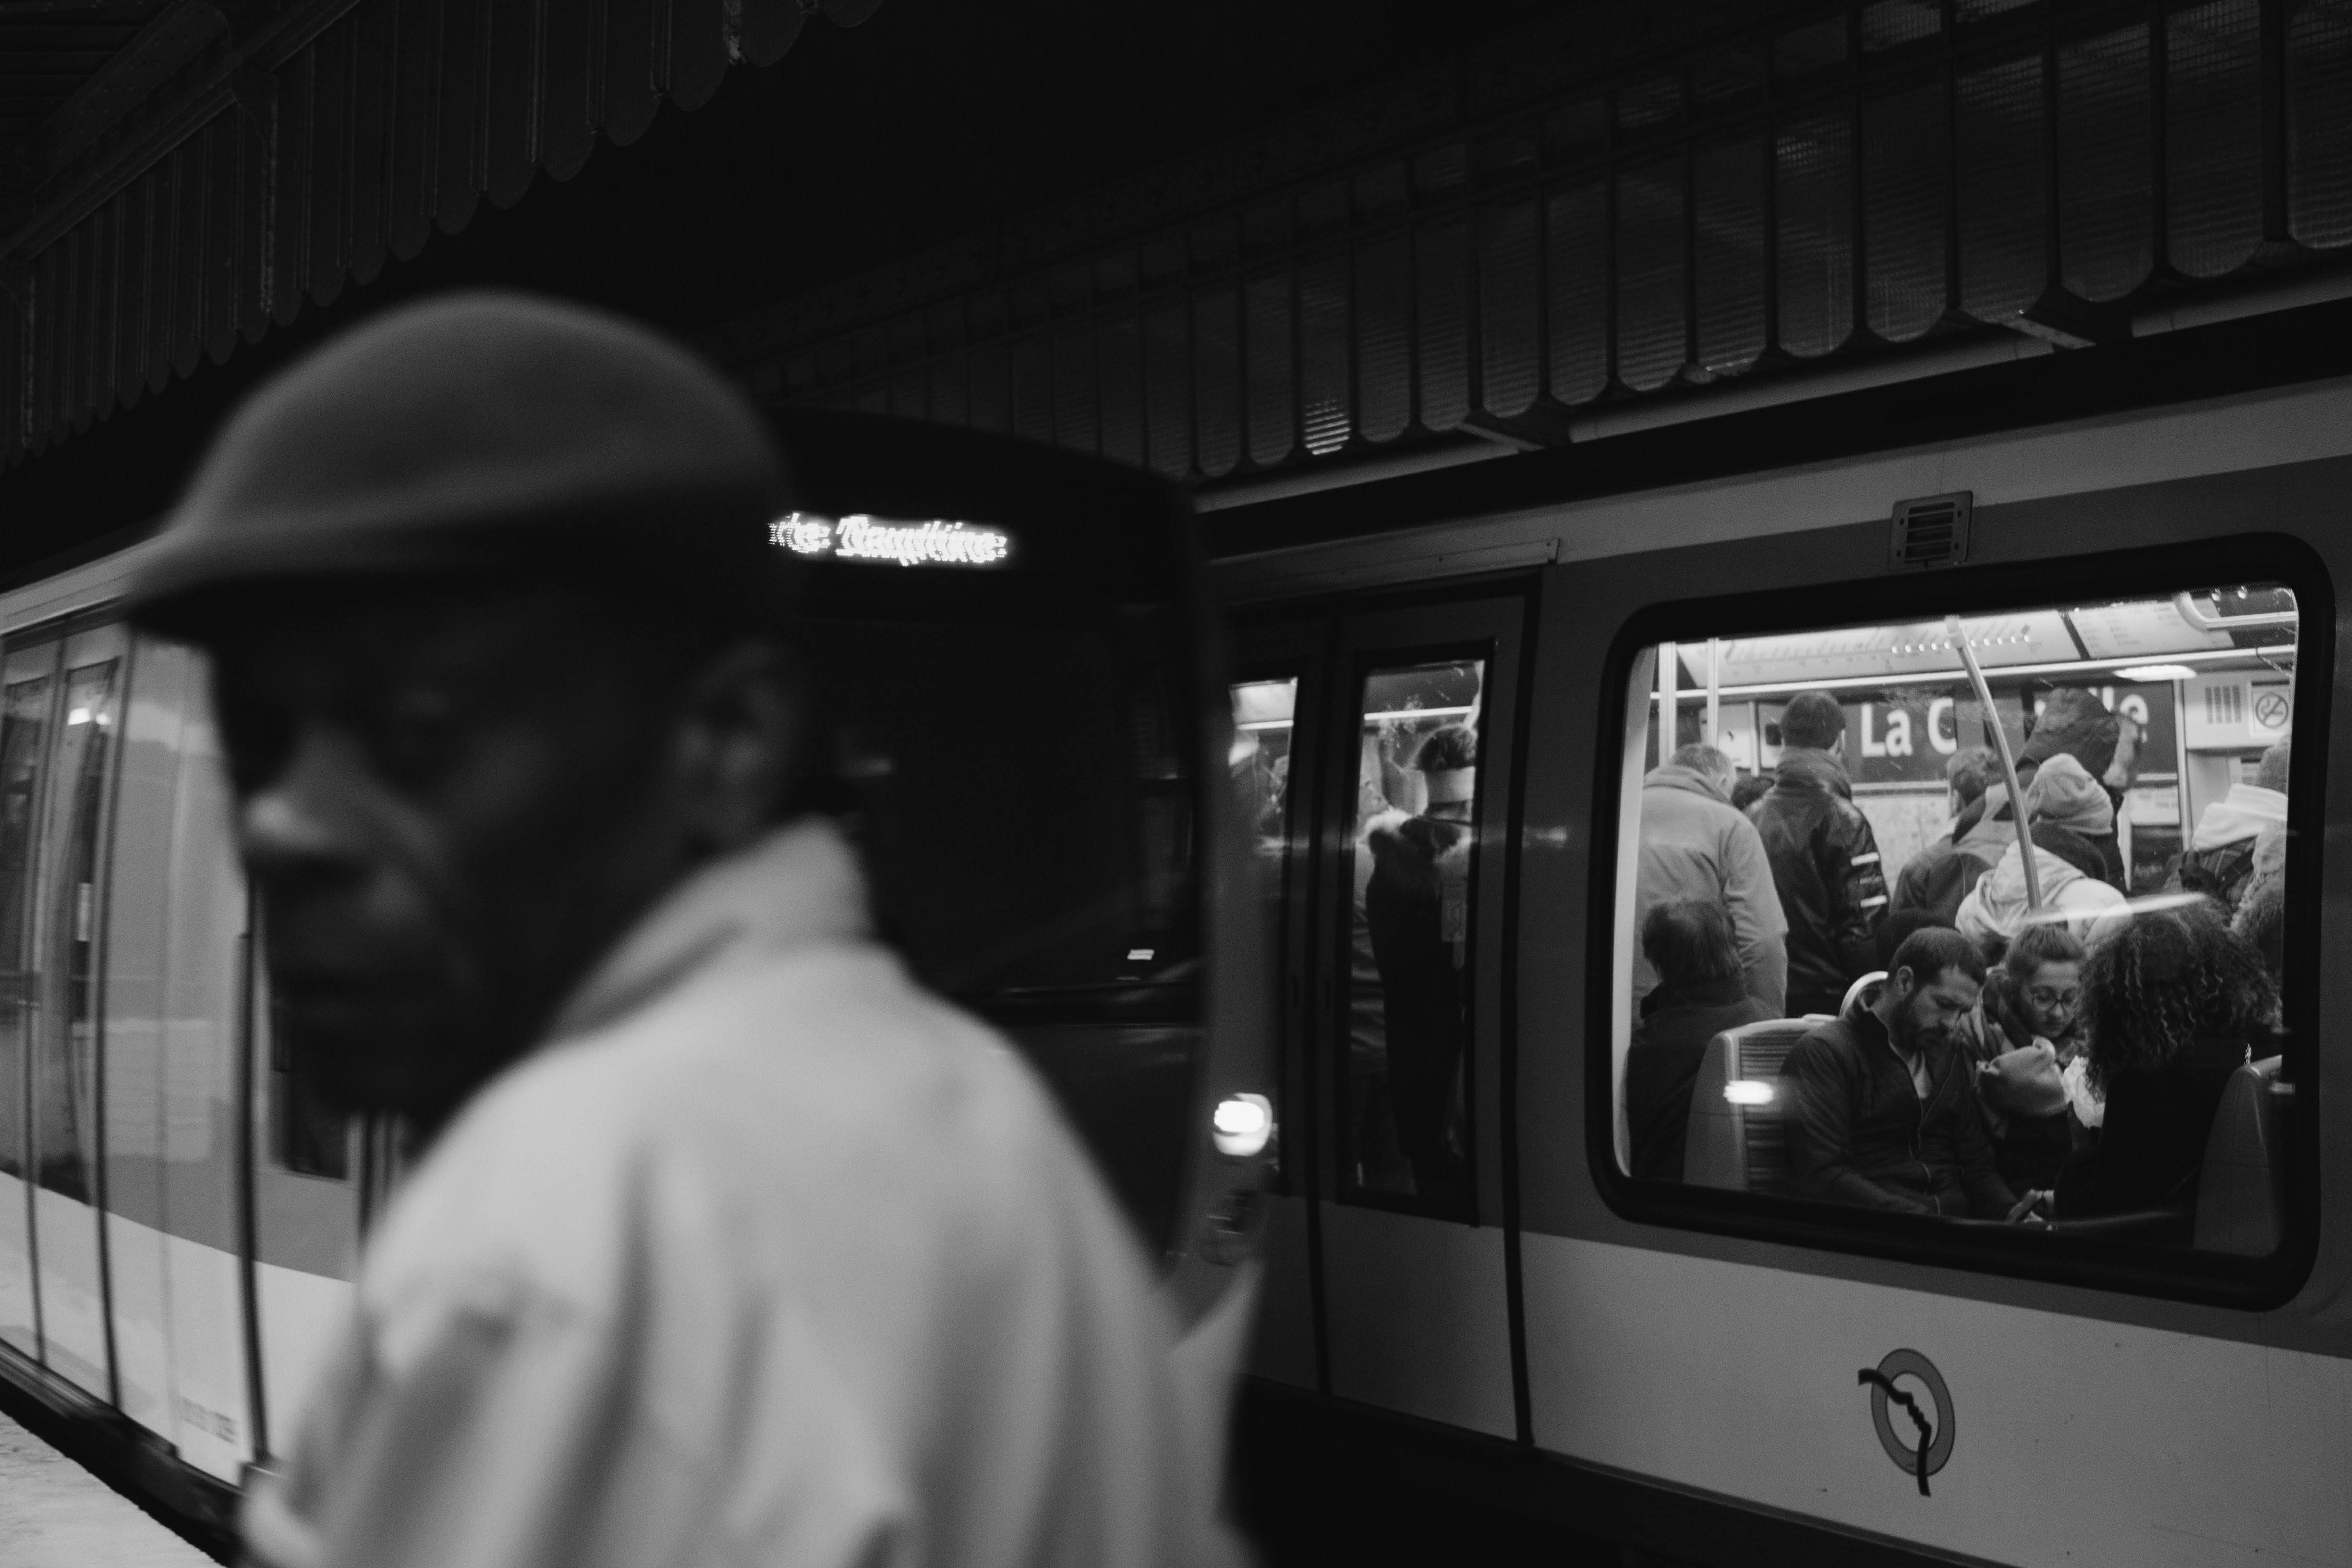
point(1074, 394)
point(1576, 292)
point(1727, 222)
point(1653, 338)
point(2212, 136)
point(2004, 250)
point(1120, 376)
point(1440, 291)
point(1384, 337)
point(1033, 389)
point(2319, 122)
point(1905, 172)
point(1813, 189)
point(992, 381)
point(1273, 391)
point(1167, 388)
point(1324, 367)
point(1510, 369)
point(1217, 370)
point(2105, 244)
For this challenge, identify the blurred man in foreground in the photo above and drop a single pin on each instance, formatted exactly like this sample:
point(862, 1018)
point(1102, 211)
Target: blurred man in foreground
point(728, 1243)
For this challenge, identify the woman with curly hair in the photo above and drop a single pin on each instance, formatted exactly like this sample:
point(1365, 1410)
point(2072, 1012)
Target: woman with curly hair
point(2173, 1003)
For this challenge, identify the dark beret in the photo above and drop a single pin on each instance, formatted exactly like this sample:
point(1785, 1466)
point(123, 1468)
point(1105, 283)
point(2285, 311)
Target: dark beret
point(472, 434)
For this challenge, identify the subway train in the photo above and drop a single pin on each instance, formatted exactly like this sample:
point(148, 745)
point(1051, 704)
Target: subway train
point(1470, 1295)
point(179, 1214)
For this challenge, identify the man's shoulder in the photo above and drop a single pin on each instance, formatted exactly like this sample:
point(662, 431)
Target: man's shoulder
point(1832, 1039)
point(791, 1100)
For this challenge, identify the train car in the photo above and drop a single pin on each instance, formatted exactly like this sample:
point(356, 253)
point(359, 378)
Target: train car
point(1471, 1292)
point(1025, 734)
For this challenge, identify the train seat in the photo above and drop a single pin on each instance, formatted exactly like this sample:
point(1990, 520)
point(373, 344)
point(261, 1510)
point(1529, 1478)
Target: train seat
point(2239, 1192)
point(1736, 1139)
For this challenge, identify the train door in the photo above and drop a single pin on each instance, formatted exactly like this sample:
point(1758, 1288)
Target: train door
point(1396, 797)
point(60, 700)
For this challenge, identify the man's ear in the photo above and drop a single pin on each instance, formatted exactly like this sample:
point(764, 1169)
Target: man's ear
point(737, 741)
point(1901, 983)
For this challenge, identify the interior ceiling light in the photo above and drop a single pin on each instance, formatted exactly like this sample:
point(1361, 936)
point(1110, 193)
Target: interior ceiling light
point(2154, 672)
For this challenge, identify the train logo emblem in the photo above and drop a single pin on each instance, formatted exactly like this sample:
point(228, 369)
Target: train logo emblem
point(1922, 1450)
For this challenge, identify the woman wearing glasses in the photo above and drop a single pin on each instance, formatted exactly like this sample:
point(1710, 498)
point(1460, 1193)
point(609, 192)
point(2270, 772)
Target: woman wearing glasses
point(2024, 1033)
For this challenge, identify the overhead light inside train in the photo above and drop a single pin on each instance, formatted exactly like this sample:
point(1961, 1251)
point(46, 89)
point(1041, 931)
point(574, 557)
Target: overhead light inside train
point(2146, 673)
point(1748, 1091)
point(860, 537)
point(1242, 1125)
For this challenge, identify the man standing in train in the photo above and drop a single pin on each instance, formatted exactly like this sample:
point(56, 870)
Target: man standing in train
point(1824, 858)
point(728, 1245)
point(1694, 846)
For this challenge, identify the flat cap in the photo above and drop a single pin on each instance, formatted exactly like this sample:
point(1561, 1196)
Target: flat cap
point(475, 433)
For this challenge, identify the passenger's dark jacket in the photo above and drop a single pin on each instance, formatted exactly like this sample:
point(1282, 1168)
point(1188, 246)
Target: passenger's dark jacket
point(1663, 1063)
point(1826, 867)
point(1859, 1132)
point(2152, 1144)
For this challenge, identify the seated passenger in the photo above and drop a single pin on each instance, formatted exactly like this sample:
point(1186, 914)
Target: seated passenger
point(2220, 859)
point(1881, 1112)
point(2172, 1003)
point(2023, 1034)
point(1701, 992)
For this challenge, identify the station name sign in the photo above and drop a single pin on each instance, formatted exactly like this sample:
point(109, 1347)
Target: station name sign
point(883, 541)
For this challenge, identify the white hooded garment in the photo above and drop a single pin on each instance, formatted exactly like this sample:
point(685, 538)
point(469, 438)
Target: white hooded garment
point(767, 1258)
point(1997, 904)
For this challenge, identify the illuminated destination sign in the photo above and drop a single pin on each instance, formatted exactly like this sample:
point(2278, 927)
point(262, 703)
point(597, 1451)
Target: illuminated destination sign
point(859, 537)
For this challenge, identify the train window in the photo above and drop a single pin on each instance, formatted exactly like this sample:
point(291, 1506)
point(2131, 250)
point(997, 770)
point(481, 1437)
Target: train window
point(25, 693)
point(1840, 980)
point(1404, 1092)
point(1265, 713)
point(65, 1076)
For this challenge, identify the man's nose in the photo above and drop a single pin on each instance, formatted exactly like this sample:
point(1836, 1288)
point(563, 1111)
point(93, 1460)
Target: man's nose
point(301, 823)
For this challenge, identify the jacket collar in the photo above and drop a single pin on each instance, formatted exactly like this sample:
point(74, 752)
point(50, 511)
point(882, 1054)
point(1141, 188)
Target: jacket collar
point(1802, 768)
point(798, 887)
point(1671, 776)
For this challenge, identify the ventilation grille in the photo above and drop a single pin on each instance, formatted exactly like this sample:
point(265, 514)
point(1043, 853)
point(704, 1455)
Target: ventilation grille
point(2225, 705)
point(1930, 531)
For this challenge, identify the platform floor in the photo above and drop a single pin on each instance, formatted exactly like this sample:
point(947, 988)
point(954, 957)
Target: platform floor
point(55, 1514)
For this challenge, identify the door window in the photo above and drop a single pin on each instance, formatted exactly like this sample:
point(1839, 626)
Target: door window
point(1404, 1064)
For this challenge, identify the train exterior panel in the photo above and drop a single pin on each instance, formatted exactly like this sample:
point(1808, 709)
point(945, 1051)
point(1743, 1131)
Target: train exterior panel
point(2101, 1403)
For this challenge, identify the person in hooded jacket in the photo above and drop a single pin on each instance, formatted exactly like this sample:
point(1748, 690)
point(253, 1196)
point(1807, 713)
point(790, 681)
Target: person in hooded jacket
point(1824, 858)
point(1997, 907)
point(2073, 723)
point(2220, 859)
point(1694, 845)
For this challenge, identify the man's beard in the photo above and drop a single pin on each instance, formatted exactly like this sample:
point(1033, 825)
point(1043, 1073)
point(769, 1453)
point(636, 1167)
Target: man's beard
point(1915, 1038)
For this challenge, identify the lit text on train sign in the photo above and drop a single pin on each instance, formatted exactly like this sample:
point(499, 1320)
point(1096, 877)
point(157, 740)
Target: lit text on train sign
point(859, 537)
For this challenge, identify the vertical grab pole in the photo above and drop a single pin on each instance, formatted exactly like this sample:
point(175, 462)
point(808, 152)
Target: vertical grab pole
point(1714, 691)
point(2008, 762)
point(1670, 728)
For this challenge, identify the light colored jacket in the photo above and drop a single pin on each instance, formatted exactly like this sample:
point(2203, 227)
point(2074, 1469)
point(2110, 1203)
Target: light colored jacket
point(1694, 846)
point(767, 1256)
point(1996, 906)
point(2242, 814)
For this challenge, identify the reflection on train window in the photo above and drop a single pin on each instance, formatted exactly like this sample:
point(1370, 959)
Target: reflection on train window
point(65, 1075)
point(1405, 1129)
point(1841, 977)
point(23, 733)
point(1264, 716)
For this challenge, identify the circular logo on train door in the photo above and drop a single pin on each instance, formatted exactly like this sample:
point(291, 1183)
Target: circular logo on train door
point(1915, 1422)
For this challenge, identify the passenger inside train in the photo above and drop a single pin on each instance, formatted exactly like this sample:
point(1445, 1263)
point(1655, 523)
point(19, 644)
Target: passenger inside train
point(2031, 871)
